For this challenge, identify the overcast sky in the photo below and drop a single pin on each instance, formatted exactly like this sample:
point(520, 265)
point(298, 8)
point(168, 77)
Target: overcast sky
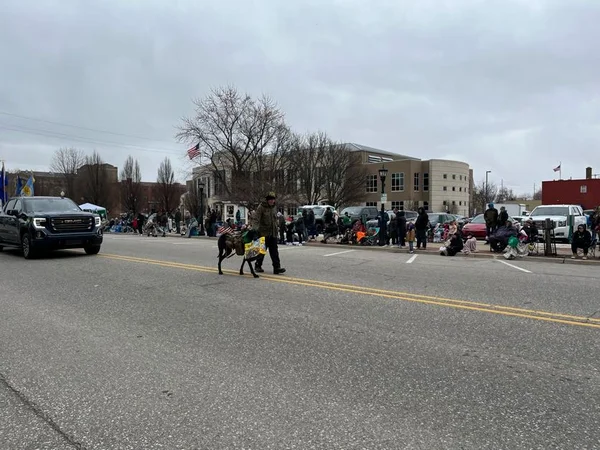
point(507, 86)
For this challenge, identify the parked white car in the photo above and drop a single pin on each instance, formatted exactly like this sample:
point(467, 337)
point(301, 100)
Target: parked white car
point(559, 215)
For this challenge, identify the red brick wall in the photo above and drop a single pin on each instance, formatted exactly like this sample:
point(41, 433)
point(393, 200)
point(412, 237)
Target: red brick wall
point(569, 192)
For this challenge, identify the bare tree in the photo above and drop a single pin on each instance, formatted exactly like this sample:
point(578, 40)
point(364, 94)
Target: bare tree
point(308, 152)
point(95, 185)
point(484, 193)
point(537, 195)
point(191, 201)
point(267, 170)
point(235, 133)
point(342, 176)
point(411, 205)
point(505, 194)
point(131, 184)
point(66, 162)
point(166, 190)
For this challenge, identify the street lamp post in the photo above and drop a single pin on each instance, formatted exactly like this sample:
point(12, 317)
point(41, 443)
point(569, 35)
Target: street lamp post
point(485, 195)
point(382, 230)
point(201, 195)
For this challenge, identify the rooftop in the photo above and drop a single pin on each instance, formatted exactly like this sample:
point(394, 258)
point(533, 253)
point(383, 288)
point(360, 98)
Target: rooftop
point(354, 147)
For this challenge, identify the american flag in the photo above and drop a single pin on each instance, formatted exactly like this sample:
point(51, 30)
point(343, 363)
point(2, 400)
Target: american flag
point(225, 230)
point(194, 152)
point(557, 168)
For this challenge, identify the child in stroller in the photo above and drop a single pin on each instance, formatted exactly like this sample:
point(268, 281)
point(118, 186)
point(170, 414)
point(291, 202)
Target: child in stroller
point(371, 237)
point(152, 227)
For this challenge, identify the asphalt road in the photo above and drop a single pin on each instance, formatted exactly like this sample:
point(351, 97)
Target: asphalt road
point(145, 347)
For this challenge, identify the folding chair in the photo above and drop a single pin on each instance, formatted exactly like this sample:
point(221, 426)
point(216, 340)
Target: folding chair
point(592, 249)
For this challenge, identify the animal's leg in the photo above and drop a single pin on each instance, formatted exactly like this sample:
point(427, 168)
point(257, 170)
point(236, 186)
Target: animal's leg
point(252, 269)
point(242, 266)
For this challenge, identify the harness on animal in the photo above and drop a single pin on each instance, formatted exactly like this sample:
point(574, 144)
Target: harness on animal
point(237, 242)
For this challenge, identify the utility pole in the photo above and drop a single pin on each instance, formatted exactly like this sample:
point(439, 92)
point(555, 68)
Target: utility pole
point(486, 194)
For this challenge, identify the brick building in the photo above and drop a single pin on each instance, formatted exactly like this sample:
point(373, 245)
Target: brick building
point(584, 192)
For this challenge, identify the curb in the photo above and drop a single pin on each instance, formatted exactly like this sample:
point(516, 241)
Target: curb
point(558, 259)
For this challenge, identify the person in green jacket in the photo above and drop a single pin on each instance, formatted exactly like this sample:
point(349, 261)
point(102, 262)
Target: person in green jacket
point(266, 223)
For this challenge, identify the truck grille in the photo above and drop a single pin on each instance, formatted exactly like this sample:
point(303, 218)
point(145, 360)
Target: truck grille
point(71, 224)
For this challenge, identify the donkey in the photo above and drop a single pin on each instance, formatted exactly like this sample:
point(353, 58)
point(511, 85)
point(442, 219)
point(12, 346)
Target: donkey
point(229, 242)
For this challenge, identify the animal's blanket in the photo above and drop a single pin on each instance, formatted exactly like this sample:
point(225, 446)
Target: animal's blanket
point(255, 248)
point(235, 242)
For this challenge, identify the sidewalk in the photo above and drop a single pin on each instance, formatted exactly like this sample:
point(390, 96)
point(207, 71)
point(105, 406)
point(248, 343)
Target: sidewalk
point(483, 251)
point(563, 254)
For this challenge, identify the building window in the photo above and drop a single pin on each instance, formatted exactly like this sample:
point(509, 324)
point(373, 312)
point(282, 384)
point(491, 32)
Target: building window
point(371, 204)
point(398, 182)
point(454, 176)
point(425, 181)
point(453, 188)
point(371, 183)
point(460, 203)
point(453, 203)
point(426, 206)
point(583, 189)
point(460, 177)
point(416, 181)
point(445, 202)
point(445, 188)
point(460, 189)
point(399, 205)
point(445, 176)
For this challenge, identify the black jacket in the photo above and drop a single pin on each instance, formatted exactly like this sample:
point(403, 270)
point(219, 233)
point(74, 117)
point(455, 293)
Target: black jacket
point(401, 221)
point(582, 239)
point(422, 221)
point(502, 218)
point(491, 217)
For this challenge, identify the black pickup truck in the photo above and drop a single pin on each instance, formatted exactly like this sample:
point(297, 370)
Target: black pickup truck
point(37, 224)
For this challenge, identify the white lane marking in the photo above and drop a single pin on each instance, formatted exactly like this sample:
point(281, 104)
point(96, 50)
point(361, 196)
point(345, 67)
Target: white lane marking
point(412, 258)
point(340, 253)
point(513, 266)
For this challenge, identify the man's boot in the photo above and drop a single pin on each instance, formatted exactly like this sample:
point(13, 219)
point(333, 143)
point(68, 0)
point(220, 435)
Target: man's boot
point(258, 268)
point(279, 271)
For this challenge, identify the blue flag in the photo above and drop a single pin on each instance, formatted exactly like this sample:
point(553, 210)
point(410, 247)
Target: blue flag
point(3, 184)
point(27, 190)
point(19, 186)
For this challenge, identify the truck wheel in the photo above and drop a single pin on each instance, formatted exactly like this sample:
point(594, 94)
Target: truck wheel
point(92, 249)
point(28, 252)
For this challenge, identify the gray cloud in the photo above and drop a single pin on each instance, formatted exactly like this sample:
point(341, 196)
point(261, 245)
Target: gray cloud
point(509, 86)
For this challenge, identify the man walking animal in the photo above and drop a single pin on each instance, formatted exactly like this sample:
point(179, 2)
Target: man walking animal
point(266, 223)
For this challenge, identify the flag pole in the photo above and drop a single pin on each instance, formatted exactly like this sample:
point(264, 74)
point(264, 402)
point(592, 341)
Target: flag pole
point(3, 184)
point(560, 170)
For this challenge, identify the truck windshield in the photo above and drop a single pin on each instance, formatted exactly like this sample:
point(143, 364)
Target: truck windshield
point(551, 211)
point(44, 205)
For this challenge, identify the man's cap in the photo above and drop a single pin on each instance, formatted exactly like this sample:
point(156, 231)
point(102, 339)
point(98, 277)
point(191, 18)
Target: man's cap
point(271, 195)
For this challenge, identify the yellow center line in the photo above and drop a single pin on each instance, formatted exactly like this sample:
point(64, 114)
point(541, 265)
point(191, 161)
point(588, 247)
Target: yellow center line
point(423, 299)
